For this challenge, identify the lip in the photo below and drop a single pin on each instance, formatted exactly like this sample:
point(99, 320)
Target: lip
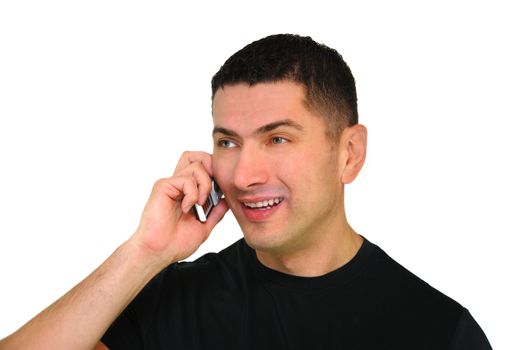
point(257, 198)
point(259, 214)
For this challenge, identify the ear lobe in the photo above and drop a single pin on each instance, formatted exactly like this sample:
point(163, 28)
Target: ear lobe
point(354, 150)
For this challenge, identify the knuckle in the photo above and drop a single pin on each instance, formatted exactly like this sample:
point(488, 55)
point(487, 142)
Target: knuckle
point(159, 183)
point(188, 155)
point(191, 180)
point(206, 186)
point(193, 197)
point(190, 198)
point(189, 185)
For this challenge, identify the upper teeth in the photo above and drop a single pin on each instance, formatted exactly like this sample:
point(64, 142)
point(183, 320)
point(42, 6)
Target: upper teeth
point(264, 203)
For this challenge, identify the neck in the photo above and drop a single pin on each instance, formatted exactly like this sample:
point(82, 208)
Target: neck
point(328, 253)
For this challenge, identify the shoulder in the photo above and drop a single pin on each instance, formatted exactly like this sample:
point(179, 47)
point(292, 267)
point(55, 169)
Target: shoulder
point(405, 299)
point(404, 284)
point(469, 335)
point(182, 283)
point(436, 315)
point(210, 269)
point(226, 261)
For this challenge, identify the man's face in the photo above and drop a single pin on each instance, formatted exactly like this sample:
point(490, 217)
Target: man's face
point(279, 173)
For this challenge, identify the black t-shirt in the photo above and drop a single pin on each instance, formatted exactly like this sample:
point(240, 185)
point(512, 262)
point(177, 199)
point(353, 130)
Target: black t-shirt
point(229, 300)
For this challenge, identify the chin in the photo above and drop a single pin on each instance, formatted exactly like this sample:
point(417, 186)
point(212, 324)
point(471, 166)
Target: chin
point(262, 236)
point(259, 239)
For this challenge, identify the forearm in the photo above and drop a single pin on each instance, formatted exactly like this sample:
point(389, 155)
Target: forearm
point(79, 318)
point(168, 232)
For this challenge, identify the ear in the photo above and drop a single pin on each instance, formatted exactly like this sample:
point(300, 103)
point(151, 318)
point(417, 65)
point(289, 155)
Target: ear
point(353, 149)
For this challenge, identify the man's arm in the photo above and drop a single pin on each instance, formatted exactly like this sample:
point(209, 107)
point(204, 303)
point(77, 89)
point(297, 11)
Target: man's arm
point(100, 346)
point(168, 232)
point(469, 335)
point(80, 317)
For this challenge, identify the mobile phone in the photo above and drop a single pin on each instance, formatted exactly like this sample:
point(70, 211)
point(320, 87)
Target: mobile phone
point(202, 212)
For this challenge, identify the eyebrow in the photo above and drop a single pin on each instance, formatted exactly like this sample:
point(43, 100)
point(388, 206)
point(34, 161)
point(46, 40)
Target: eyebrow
point(262, 129)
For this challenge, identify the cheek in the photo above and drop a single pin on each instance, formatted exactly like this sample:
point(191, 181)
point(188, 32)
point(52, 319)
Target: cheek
point(290, 167)
point(311, 163)
point(298, 174)
point(311, 173)
point(219, 171)
point(223, 170)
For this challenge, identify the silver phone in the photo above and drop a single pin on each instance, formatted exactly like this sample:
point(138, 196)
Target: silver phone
point(202, 212)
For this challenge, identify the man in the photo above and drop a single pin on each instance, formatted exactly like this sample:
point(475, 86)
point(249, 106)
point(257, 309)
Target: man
point(286, 141)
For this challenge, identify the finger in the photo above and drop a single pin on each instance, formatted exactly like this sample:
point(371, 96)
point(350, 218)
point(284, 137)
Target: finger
point(180, 188)
point(190, 194)
point(202, 178)
point(189, 157)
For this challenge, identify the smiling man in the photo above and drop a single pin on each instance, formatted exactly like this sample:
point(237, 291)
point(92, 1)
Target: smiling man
point(283, 175)
point(286, 142)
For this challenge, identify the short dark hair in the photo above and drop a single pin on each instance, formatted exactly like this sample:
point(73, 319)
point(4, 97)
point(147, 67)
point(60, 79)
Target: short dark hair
point(329, 85)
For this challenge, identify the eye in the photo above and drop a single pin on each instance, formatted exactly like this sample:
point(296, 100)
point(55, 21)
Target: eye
point(279, 140)
point(226, 144)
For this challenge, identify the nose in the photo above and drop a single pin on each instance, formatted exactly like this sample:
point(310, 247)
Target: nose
point(251, 168)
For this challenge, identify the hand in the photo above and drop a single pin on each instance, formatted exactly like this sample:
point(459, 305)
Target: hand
point(168, 228)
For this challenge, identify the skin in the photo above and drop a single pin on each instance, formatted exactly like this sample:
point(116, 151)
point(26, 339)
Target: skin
point(168, 232)
point(307, 235)
point(267, 144)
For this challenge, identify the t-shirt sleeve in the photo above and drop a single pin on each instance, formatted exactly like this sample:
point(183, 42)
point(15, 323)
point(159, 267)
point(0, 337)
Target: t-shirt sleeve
point(130, 329)
point(469, 335)
point(124, 333)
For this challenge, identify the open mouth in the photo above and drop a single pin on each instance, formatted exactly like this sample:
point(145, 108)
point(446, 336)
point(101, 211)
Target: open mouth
point(263, 205)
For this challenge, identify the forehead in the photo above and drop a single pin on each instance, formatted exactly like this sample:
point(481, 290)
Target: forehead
point(243, 108)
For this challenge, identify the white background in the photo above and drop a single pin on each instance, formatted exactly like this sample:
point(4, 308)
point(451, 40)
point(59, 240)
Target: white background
point(98, 99)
